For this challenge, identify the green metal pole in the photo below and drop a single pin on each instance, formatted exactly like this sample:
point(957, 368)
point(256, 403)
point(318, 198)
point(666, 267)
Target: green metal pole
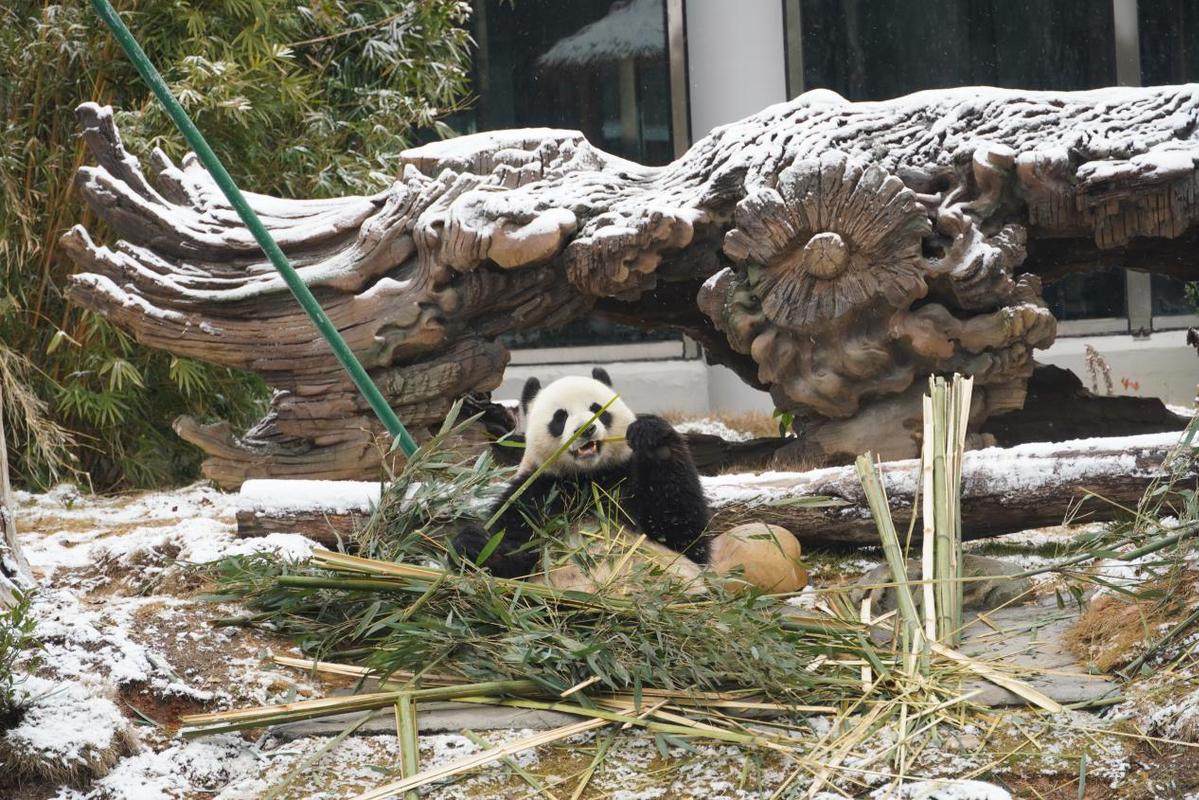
point(213, 164)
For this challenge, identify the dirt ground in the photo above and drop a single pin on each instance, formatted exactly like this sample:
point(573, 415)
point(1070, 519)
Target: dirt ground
point(123, 614)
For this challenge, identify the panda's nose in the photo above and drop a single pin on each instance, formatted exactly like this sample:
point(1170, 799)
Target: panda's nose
point(588, 433)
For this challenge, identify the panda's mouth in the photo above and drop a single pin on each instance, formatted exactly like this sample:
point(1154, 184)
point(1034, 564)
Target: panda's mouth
point(588, 450)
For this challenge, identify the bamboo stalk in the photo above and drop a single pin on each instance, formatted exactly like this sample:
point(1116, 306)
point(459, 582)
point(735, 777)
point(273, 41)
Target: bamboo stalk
point(613, 716)
point(963, 393)
point(1034, 696)
point(481, 758)
point(329, 706)
point(330, 668)
point(513, 765)
point(877, 499)
point(942, 539)
point(409, 735)
point(927, 563)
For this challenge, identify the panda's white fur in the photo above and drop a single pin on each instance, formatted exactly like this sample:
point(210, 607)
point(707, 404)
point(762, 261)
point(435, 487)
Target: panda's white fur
point(603, 554)
point(578, 397)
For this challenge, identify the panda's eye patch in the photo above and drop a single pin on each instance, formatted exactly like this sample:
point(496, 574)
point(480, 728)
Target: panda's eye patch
point(605, 418)
point(558, 423)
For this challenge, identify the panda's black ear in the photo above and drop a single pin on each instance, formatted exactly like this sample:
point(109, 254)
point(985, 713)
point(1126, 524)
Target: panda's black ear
point(532, 387)
point(601, 375)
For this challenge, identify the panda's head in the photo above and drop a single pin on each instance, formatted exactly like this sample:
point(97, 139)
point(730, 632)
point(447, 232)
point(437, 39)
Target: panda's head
point(555, 412)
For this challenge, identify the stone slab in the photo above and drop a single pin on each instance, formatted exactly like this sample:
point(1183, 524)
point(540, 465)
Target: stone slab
point(447, 717)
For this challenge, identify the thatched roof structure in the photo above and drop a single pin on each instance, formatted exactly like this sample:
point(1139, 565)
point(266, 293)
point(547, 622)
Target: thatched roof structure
point(630, 30)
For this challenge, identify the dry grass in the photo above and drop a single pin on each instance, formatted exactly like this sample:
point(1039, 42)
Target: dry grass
point(757, 423)
point(1114, 628)
point(23, 766)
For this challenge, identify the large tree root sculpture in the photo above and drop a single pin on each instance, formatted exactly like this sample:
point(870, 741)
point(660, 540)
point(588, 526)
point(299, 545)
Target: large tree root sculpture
point(833, 253)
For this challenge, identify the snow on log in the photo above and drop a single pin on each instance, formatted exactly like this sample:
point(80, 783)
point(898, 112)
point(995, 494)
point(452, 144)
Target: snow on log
point(833, 253)
point(1004, 490)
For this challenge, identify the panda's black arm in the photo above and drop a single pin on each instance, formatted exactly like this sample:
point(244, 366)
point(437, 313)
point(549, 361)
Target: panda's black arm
point(666, 498)
point(516, 555)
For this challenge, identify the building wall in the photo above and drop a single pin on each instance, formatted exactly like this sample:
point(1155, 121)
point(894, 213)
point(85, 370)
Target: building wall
point(647, 386)
point(737, 64)
point(1160, 365)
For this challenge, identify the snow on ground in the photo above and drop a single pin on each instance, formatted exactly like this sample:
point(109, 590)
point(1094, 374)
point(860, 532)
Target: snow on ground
point(129, 647)
point(336, 497)
point(713, 427)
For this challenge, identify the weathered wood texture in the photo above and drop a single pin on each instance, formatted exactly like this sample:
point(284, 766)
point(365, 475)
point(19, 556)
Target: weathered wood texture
point(333, 529)
point(833, 253)
point(1004, 490)
point(15, 574)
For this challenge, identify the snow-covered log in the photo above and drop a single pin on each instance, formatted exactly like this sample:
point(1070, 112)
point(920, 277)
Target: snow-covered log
point(1004, 490)
point(833, 253)
point(15, 574)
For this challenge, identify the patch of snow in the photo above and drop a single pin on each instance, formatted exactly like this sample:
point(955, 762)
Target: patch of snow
point(205, 765)
point(194, 526)
point(65, 722)
point(91, 643)
point(337, 497)
point(710, 283)
point(713, 427)
point(943, 790)
point(290, 546)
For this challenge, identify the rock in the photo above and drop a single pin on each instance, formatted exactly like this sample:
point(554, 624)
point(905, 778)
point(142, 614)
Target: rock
point(978, 595)
point(1029, 642)
point(448, 717)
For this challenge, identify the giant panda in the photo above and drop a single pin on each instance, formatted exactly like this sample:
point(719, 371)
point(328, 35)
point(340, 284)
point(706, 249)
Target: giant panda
point(639, 470)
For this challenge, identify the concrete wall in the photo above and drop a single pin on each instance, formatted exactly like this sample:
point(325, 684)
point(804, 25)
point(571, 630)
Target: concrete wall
point(736, 67)
point(735, 60)
point(1160, 365)
point(647, 386)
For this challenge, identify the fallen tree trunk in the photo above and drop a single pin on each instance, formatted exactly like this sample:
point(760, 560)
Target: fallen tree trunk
point(15, 574)
point(1004, 490)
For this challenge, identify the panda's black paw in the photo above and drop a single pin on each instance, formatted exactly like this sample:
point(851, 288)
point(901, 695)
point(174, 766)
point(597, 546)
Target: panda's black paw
point(652, 437)
point(470, 543)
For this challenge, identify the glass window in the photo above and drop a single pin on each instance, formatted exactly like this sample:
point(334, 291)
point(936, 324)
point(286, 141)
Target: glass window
point(586, 331)
point(1088, 295)
point(1170, 297)
point(1169, 35)
point(597, 66)
point(886, 48)
point(877, 49)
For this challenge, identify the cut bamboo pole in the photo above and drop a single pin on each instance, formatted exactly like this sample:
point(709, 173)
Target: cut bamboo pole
point(942, 539)
point(946, 416)
point(928, 570)
point(1018, 687)
point(15, 575)
point(964, 393)
point(261, 716)
point(482, 758)
point(409, 736)
point(876, 496)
